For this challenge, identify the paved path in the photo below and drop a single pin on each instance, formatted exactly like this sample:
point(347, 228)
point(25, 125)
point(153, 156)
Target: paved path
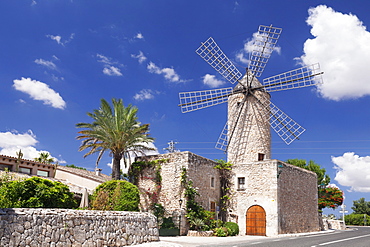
point(185, 241)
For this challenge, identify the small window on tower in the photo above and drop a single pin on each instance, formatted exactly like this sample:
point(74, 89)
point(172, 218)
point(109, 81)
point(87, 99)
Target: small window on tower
point(212, 182)
point(241, 183)
point(261, 157)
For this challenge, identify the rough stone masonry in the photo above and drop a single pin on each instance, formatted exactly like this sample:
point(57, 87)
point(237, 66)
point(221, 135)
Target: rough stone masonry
point(65, 227)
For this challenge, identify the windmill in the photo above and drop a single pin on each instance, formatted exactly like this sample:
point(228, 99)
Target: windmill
point(246, 136)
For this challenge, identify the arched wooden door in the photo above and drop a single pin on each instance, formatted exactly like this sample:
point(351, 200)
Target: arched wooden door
point(256, 221)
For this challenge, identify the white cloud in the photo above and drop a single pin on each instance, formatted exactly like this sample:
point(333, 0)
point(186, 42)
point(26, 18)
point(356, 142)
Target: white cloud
point(33, 3)
point(341, 45)
point(145, 94)
point(12, 142)
point(139, 36)
point(40, 91)
point(140, 57)
point(353, 171)
point(211, 81)
point(108, 63)
point(168, 73)
point(58, 38)
point(112, 71)
point(47, 64)
point(243, 55)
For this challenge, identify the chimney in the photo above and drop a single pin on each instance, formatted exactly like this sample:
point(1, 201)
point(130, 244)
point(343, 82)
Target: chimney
point(97, 171)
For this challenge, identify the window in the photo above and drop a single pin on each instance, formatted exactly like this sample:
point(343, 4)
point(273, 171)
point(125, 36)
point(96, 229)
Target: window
point(241, 183)
point(261, 157)
point(5, 167)
point(212, 182)
point(213, 207)
point(42, 173)
point(25, 170)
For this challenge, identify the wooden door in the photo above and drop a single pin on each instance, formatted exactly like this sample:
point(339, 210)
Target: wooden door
point(256, 221)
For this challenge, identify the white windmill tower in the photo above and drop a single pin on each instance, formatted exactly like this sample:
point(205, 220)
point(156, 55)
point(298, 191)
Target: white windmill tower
point(246, 136)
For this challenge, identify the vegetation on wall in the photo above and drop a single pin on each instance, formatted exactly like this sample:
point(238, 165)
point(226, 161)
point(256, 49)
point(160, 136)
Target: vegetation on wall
point(224, 169)
point(77, 167)
point(198, 217)
point(117, 195)
point(35, 192)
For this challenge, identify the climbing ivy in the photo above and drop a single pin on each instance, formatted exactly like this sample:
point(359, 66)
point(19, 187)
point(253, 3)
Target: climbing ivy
point(195, 212)
point(137, 167)
point(225, 183)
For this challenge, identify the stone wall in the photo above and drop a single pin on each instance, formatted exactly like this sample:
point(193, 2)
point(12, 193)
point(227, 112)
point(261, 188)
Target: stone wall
point(199, 169)
point(260, 189)
point(66, 227)
point(297, 196)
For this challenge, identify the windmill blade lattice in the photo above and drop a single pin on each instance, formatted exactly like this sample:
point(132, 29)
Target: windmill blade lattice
point(264, 45)
point(215, 57)
point(303, 77)
point(286, 128)
point(191, 101)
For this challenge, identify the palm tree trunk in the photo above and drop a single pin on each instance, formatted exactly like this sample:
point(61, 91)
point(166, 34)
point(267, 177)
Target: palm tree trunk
point(116, 167)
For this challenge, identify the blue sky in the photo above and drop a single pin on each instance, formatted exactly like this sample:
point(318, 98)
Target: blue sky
point(58, 58)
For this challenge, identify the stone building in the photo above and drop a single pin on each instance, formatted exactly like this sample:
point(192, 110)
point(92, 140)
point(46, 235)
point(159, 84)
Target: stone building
point(269, 197)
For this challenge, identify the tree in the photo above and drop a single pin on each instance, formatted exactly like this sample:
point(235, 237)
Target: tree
point(330, 197)
point(44, 157)
point(116, 129)
point(361, 206)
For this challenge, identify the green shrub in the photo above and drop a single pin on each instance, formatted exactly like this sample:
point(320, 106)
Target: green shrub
point(35, 192)
point(233, 228)
point(221, 232)
point(117, 195)
point(168, 223)
point(356, 219)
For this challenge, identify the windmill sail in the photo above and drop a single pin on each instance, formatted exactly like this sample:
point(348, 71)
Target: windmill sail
point(264, 45)
point(215, 57)
point(303, 77)
point(191, 101)
point(286, 128)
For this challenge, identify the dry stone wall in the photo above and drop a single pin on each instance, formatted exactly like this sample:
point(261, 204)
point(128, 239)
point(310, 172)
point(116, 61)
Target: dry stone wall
point(77, 228)
point(297, 196)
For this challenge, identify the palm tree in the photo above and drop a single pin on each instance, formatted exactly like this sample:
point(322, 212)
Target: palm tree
point(116, 129)
point(44, 157)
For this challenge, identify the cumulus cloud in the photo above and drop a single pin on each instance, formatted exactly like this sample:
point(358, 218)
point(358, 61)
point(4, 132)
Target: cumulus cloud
point(145, 94)
point(140, 57)
point(12, 142)
point(139, 36)
point(341, 45)
point(353, 171)
point(112, 71)
point(110, 66)
point(40, 91)
point(243, 55)
point(168, 73)
point(212, 81)
point(47, 64)
point(58, 39)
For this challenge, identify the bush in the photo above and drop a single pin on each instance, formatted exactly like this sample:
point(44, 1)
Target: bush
point(356, 219)
point(221, 232)
point(233, 228)
point(117, 195)
point(35, 192)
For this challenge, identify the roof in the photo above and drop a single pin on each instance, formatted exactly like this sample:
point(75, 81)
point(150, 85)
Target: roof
point(86, 174)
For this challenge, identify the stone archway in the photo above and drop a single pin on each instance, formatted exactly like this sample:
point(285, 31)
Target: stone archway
point(256, 221)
